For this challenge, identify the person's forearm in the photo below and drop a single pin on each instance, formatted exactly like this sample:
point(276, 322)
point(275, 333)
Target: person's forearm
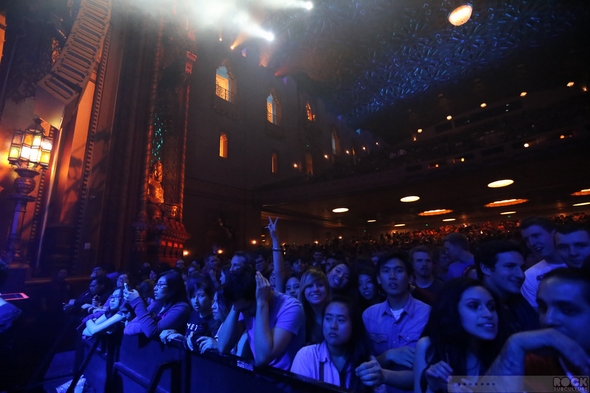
point(263, 339)
point(278, 265)
point(511, 359)
point(228, 332)
point(403, 380)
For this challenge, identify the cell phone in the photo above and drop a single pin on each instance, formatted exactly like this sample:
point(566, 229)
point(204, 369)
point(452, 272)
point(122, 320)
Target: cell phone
point(14, 296)
point(126, 286)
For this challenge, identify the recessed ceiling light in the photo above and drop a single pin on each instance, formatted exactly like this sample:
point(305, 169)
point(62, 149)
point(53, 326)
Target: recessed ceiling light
point(570, 84)
point(449, 219)
point(582, 204)
point(526, 145)
point(371, 220)
point(340, 210)
point(347, 152)
point(483, 104)
point(506, 213)
point(325, 156)
point(449, 117)
point(399, 225)
point(419, 130)
point(584, 192)
point(411, 198)
point(501, 183)
point(507, 202)
point(435, 212)
point(295, 165)
point(523, 94)
point(460, 15)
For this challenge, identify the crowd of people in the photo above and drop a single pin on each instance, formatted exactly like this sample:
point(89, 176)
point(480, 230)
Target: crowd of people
point(408, 314)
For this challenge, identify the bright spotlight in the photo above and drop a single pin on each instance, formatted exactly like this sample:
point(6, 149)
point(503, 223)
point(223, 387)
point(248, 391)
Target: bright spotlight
point(269, 36)
point(308, 5)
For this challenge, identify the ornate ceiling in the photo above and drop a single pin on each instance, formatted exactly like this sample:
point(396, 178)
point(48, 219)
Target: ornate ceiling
point(392, 66)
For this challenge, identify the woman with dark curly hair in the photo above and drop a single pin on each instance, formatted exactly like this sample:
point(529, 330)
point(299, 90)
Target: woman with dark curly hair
point(460, 337)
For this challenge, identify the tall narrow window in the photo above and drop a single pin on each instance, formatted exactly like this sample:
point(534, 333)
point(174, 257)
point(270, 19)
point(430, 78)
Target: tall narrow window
point(273, 109)
point(274, 164)
point(223, 145)
point(308, 164)
point(335, 143)
point(309, 112)
point(224, 84)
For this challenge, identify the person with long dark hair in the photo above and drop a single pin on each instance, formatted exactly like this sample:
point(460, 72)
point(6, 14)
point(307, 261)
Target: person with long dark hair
point(460, 337)
point(170, 309)
point(117, 311)
point(344, 348)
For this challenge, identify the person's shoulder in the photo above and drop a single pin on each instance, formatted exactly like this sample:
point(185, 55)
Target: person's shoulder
point(181, 307)
point(373, 310)
point(418, 304)
point(284, 301)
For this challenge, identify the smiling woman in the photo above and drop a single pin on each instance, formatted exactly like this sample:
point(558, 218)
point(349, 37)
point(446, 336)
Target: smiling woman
point(449, 348)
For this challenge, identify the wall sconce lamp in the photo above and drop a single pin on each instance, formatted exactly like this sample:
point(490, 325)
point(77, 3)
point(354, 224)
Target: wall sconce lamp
point(30, 151)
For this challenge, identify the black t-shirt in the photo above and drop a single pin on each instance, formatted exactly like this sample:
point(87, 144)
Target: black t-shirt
point(201, 326)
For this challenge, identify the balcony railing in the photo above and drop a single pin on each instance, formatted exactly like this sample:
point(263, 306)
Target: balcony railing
point(225, 94)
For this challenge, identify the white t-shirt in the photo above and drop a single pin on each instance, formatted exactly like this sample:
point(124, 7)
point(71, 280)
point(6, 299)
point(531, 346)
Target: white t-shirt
point(533, 277)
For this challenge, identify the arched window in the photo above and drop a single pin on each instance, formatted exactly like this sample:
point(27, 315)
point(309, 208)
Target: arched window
point(309, 112)
point(224, 84)
point(223, 145)
point(335, 143)
point(274, 163)
point(273, 109)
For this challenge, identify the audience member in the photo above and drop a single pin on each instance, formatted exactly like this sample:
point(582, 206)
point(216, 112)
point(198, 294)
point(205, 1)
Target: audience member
point(367, 285)
point(293, 285)
point(500, 268)
point(274, 322)
point(460, 337)
point(563, 346)
point(169, 310)
point(116, 312)
point(457, 248)
point(314, 295)
point(241, 259)
point(344, 348)
point(220, 311)
point(395, 325)
point(339, 278)
point(572, 242)
point(538, 233)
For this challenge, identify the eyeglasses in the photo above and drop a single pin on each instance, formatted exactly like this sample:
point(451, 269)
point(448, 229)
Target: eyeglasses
point(160, 285)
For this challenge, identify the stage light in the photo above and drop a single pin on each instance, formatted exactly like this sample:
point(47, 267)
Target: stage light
point(269, 36)
point(308, 5)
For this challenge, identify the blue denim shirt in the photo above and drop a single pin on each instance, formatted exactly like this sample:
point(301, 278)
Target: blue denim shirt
point(387, 333)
